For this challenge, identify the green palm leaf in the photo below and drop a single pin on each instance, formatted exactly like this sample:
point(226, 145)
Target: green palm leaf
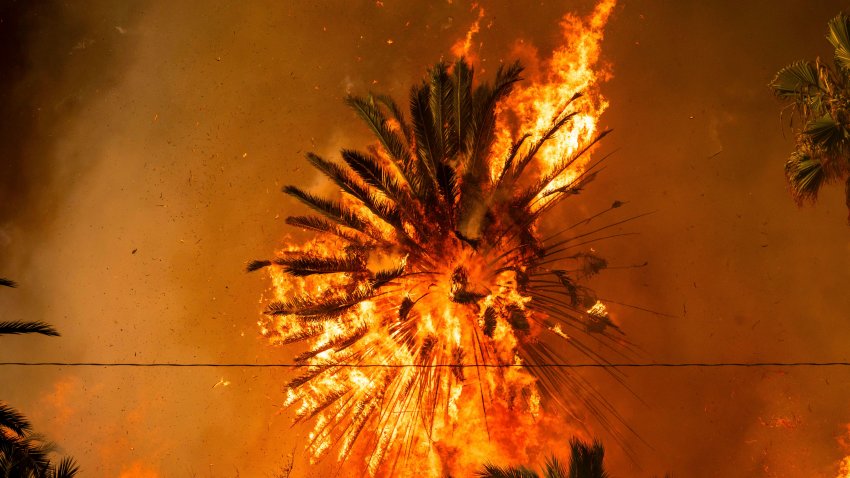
point(799, 80)
point(818, 94)
point(839, 36)
point(805, 175)
point(825, 133)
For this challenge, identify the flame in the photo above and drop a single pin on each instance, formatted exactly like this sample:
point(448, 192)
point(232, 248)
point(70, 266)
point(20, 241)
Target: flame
point(574, 67)
point(463, 47)
point(137, 469)
point(448, 310)
point(844, 464)
point(844, 468)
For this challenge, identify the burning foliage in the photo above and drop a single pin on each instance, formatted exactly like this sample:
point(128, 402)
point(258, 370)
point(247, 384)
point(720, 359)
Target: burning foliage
point(430, 303)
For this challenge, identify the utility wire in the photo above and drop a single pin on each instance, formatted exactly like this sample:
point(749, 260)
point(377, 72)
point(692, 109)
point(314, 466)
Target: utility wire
point(377, 365)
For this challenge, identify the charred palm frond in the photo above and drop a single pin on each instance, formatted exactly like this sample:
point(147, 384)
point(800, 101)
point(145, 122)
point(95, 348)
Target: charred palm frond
point(429, 263)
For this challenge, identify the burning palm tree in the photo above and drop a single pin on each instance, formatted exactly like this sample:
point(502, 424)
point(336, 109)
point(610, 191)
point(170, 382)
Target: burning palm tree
point(429, 301)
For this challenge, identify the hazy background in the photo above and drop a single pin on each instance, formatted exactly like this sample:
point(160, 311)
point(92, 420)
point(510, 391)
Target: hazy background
point(143, 148)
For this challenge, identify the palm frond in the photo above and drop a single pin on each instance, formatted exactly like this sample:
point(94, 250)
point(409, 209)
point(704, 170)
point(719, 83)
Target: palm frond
point(37, 327)
point(318, 224)
point(311, 308)
point(13, 420)
point(479, 139)
point(339, 175)
point(805, 176)
point(372, 115)
point(29, 455)
point(493, 471)
point(257, 265)
point(528, 195)
point(344, 178)
point(385, 276)
point(309, 264)
point(370, 171)
point(427, 149)
point(330, 209)
point(442, 109)
point(398, 116)
point(586, 461)
point(839, 36)
point(440, 89)
point(558, 122)
point(462, 75)
point(825, 133)
point(796, 81)
point(554, 468)
point(67, 468)
point(484, 115)
point(7, 282)
point(512, 154)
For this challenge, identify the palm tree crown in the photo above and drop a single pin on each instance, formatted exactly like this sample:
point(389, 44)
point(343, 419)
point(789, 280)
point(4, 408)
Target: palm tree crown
point(819, 94)
point(430, 263)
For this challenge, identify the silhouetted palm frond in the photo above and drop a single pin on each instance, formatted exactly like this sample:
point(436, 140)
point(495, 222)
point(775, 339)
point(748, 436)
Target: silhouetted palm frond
point(586, 461)
point(493, 471)
point(13, 420)
point(66, 468)
point(37, 327)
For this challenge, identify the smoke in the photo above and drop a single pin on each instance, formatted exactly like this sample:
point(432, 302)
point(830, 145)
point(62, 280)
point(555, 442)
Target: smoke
point(144, 145)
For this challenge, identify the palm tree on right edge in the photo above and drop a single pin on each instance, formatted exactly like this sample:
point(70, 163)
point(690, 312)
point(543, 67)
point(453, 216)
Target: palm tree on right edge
point(586, 461)
point(819, 94)
point(24, 454)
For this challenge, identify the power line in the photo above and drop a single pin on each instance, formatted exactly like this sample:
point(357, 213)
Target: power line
point(376, 365)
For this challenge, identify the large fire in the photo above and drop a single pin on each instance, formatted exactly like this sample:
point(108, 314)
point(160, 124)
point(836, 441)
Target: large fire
point(427, 298)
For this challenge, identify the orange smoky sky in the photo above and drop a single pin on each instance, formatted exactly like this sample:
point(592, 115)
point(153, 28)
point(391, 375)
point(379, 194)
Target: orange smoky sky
point(144, 145)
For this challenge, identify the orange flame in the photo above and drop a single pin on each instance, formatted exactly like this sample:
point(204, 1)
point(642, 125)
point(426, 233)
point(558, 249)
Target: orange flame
point(844, 464)
point(463, 47)
point(462, 433)
point(574, 67)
